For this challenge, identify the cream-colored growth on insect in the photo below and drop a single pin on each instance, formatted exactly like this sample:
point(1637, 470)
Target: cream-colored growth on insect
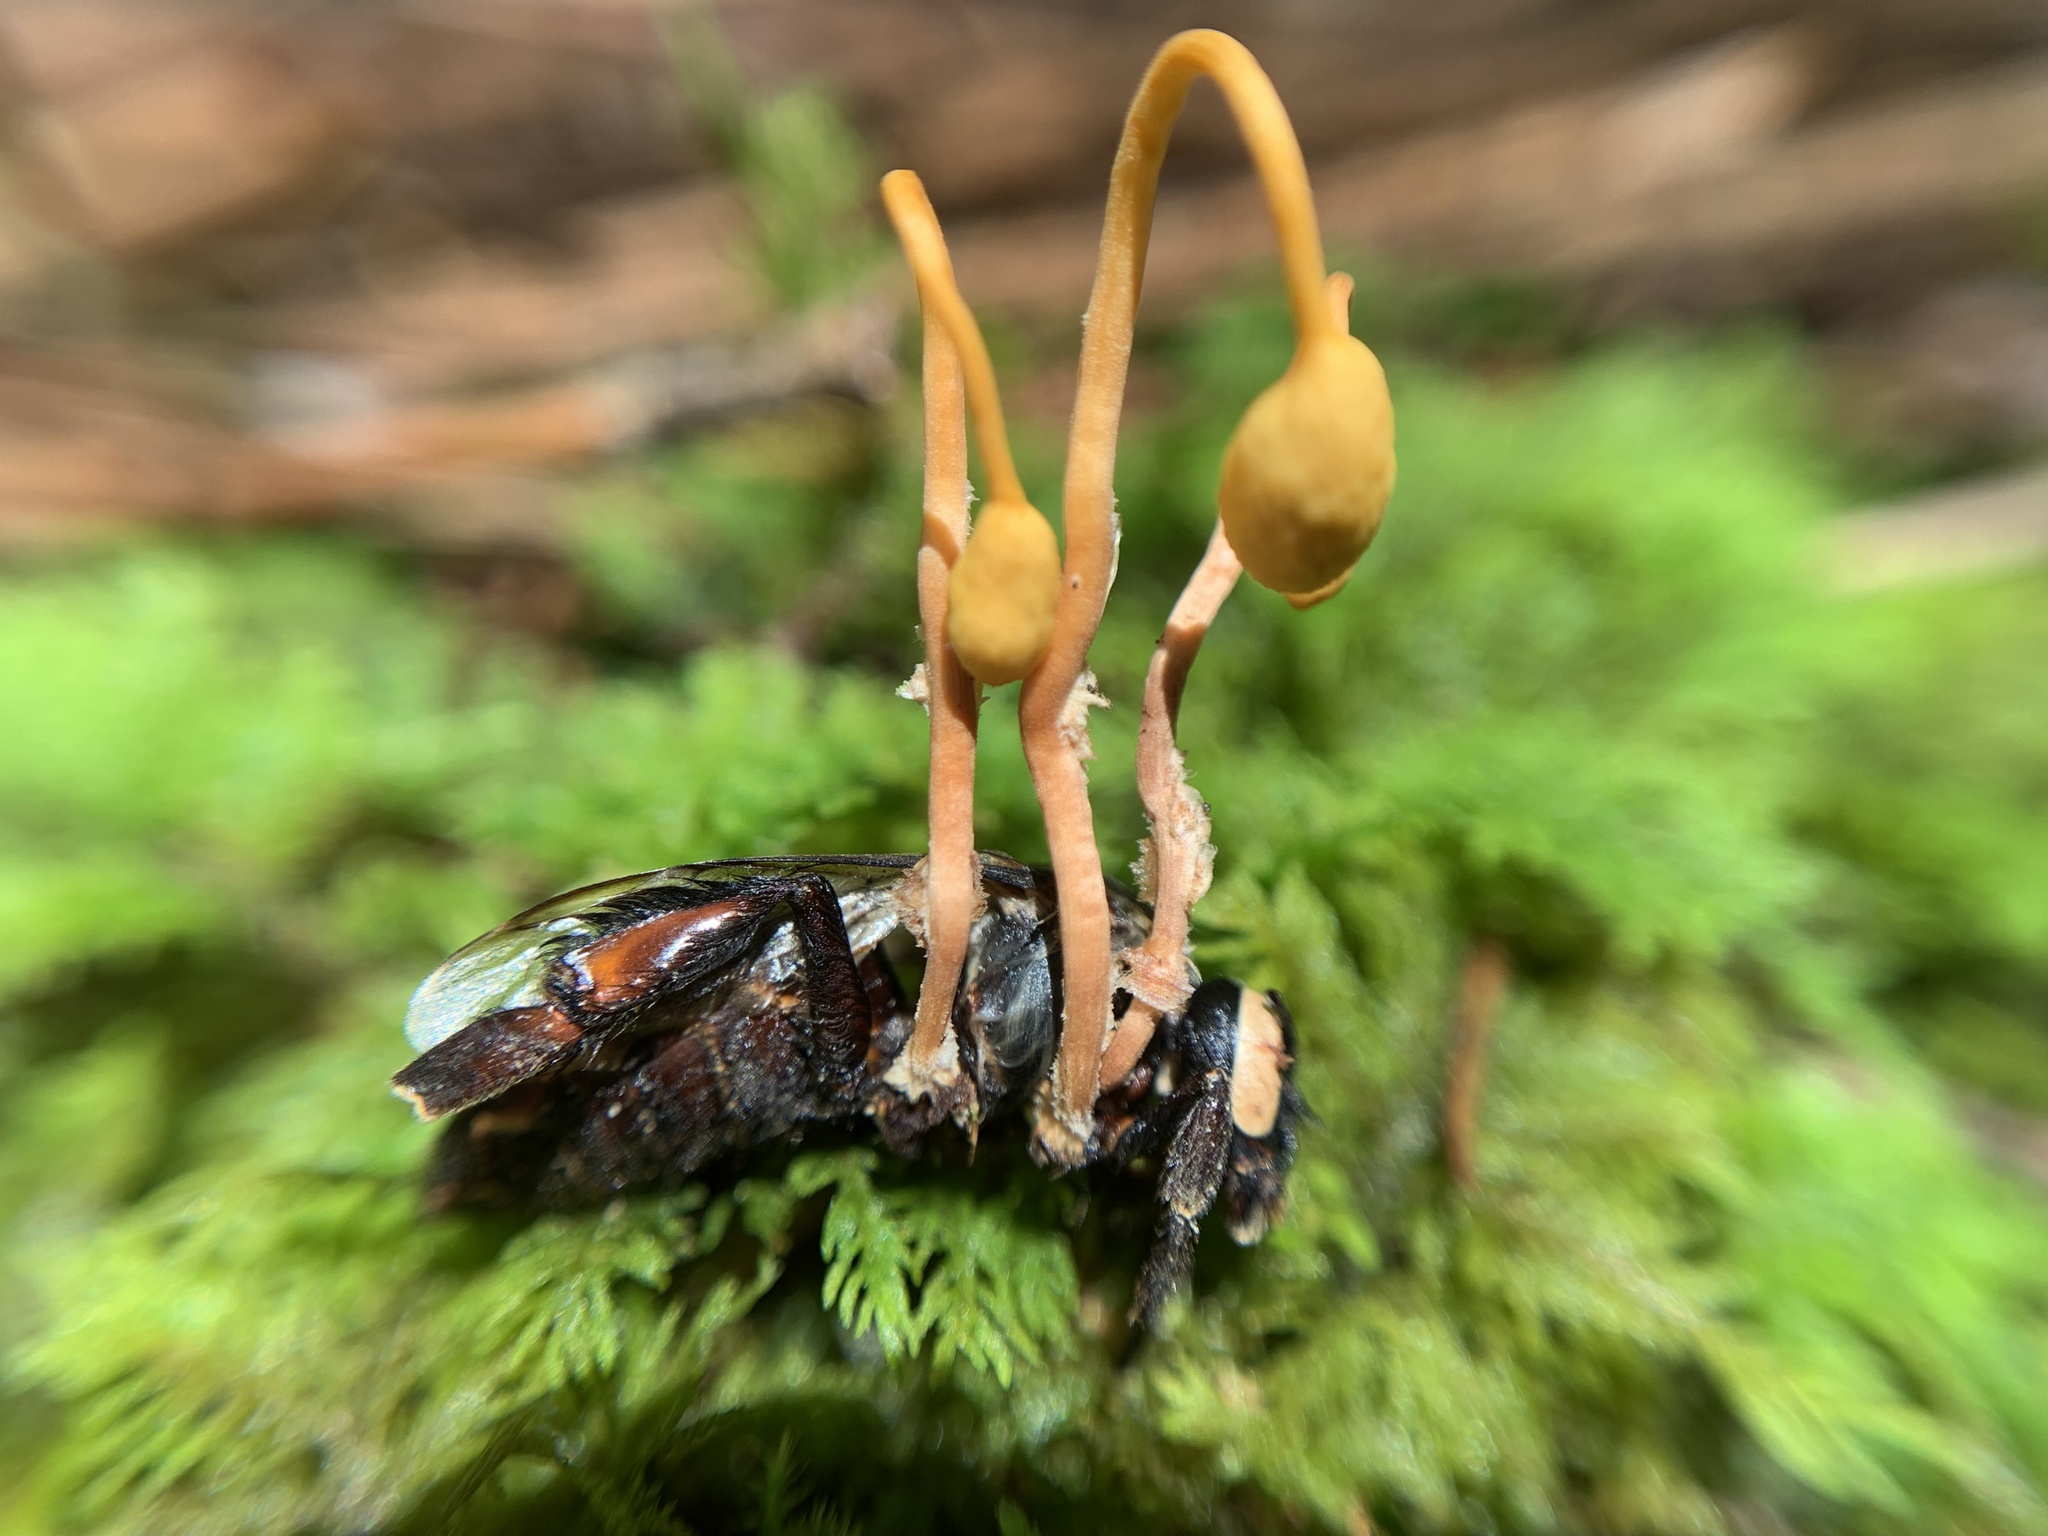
point(1258, 1067)
point(1309, 469)
point(1003, 592)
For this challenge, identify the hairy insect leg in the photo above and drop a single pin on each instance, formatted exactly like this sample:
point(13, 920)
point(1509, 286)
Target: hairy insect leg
point(1228, 1130)
point(1149, 1132)
point(1191, 1173)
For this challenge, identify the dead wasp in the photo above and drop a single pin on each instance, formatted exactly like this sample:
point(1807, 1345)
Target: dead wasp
point(624, 1035)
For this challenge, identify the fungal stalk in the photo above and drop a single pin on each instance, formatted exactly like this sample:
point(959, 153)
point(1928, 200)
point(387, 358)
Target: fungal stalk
point(930, 1063)
point(1304, 480)
point(1174, 868)
point(956, 370)
point(1177, 859)
point(1002, 589)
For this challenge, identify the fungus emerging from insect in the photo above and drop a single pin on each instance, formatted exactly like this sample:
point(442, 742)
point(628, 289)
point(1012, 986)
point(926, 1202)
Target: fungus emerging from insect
point(628, 1034)
point(625, 1035)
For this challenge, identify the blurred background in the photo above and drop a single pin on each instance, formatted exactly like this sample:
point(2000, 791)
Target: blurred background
point(454, 449)
point(399, 266)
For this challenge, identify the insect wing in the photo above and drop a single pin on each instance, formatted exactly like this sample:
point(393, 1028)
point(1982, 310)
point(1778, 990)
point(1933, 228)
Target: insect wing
point(507, 966)
point(503, 969)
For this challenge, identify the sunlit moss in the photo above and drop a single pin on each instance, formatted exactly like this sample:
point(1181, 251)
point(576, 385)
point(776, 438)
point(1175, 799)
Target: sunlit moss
point(1731, 1251)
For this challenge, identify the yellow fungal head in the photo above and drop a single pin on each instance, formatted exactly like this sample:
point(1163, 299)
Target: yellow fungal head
point(1309, 469)
point(1002, 592)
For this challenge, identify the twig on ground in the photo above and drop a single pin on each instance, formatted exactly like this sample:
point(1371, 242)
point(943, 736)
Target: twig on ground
point(1481, 990)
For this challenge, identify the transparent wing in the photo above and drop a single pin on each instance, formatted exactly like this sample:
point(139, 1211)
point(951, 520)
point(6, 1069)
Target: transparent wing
point(503, 969)
point(507, 967)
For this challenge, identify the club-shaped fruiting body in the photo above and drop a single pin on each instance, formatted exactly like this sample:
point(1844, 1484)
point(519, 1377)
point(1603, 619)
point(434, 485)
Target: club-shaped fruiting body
point(1003, 591)
point(1309, 474)
point(1310, 467)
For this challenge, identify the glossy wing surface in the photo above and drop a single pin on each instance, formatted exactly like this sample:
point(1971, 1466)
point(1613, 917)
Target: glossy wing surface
point(506, 968)
point(503, 969)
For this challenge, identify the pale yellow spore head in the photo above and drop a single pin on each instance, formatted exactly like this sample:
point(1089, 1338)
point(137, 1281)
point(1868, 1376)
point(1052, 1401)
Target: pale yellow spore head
point(1309, 470)
point(1002, 593)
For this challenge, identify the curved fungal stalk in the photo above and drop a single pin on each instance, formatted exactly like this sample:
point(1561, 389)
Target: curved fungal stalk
point(1175, 866)
point(930, 1063)
point(1264, 508)
point(1005, 583)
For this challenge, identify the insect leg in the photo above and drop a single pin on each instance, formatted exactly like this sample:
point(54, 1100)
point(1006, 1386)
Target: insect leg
point(657, 1124)
point(1192, 1173)
point(1150, 1132)
point(841, 1020)
point(664, 956)
point(677, 955)
point(744, 1070)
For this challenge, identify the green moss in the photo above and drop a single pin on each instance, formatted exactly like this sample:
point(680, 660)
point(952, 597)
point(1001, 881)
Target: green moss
point(1767, 862)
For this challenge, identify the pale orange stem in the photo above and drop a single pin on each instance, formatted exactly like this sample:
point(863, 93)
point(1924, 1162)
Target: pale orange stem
point(1178, 855)
point(952, 880)
point(1050, 710)
point(924, 246)
point(952, 697)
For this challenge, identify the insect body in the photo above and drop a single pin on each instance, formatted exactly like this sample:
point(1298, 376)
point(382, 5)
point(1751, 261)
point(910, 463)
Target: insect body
point(624, 1035)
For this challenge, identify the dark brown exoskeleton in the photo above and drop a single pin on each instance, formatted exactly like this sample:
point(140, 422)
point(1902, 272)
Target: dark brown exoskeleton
point(624, 1035)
